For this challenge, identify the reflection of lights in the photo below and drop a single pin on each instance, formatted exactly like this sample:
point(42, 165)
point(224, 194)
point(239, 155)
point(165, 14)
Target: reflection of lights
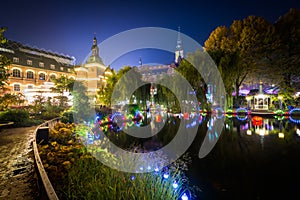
point(298, 131)
point(242, 118)
point(262, 132)
point(227, 126)
point(281, 135)
point(294, 120)
point(293, 110)
point(249, 132)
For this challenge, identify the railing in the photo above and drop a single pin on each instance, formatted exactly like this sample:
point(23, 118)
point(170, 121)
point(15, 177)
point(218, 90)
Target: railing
point(47, 191)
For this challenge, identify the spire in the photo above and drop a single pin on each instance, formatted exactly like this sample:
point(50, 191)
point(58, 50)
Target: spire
point(95, 49)
point(179, 49)
point(94, 40)
point(94, 57)
point(179, 42)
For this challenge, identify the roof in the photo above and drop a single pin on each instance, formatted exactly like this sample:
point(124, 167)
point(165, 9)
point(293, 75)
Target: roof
point(13, 49)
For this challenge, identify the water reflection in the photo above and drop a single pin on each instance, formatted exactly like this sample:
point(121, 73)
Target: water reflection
point(245, 157)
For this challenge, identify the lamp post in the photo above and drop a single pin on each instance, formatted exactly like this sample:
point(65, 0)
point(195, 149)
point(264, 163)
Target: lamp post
point(280, 101)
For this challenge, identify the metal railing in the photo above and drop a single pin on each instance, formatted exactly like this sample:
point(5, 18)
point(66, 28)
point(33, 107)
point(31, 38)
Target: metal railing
point(47, 191)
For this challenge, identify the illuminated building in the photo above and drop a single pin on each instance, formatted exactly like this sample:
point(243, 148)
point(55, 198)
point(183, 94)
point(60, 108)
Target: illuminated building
point(93, 73)
point(32, 69)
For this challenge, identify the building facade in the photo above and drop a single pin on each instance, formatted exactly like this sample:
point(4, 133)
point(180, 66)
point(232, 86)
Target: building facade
point(32, 69)
point(93, 73)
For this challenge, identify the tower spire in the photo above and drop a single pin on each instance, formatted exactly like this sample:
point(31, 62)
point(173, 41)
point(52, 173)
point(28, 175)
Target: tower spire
point(179, 49)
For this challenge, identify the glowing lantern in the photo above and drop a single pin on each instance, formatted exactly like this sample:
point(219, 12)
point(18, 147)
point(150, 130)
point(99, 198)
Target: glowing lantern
point(158, 118)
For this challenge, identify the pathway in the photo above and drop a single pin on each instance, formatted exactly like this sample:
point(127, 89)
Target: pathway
point(17, 178)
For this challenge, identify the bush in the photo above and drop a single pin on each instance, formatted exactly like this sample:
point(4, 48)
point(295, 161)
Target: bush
point(67, 117)
point(20, 117)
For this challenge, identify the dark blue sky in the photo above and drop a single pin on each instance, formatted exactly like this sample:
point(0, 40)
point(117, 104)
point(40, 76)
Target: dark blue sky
point(68, 26)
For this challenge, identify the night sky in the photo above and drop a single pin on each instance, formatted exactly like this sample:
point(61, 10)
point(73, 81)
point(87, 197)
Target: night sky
point(68, 27)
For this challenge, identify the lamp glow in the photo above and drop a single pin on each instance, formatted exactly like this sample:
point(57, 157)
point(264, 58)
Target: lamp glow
point(166, 176)
point(184, 197)
point(175, 185)
point(281, 135)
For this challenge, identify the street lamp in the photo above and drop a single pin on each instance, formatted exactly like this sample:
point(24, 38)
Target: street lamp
point(280, 101)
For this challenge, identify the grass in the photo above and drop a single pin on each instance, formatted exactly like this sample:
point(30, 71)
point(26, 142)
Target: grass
point(76, 173)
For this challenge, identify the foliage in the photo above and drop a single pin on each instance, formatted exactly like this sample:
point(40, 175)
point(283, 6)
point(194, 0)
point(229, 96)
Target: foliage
point(76, 174)
point(67, 116)
point(81, 104)
point(4, 62)
point(240, 51)
point(11, 99)
point(20, 117)
point(287, 58)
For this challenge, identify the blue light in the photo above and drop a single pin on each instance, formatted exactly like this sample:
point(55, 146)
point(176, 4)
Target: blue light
point(156, 169)
point(166, 176)
point(184, 197)
point(175, 185)
point(132, 178)
point(149, 168)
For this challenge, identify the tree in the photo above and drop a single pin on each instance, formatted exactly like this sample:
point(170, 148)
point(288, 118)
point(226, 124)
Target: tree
point(4, 61)
point(62, 84)
point(288, 58)
point(241, 49)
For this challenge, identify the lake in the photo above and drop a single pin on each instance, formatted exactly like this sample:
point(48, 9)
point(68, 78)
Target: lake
point(250, 157)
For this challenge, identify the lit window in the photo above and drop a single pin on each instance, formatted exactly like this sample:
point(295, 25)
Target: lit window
point(15, 59)
point(52, 76)
point(52, 66)
point(61, 69)
point(42, 76)
point(29, 74)
point(16, 73)
point(69, 70)
point(29, 62)
point(17, 87)
point(41, 64)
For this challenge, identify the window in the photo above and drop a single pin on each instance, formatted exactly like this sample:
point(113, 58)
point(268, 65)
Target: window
point(30, 87)
point(69, 70)
point(29, 74)
point(42, 76)
point(41, 64)
point(61, 69)
point(16, 73)
point(29, 62)
point(52, 76)
point(15, 60)
point(17, 87)
point(52, 66)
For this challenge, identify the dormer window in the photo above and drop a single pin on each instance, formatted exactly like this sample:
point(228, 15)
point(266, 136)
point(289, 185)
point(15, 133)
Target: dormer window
point(29, 62)
point(41, 64)
point(15, 60)
point(52, 66)
point(61, 69)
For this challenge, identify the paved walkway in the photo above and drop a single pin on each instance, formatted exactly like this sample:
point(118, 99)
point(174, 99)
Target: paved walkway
point(17, 179)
